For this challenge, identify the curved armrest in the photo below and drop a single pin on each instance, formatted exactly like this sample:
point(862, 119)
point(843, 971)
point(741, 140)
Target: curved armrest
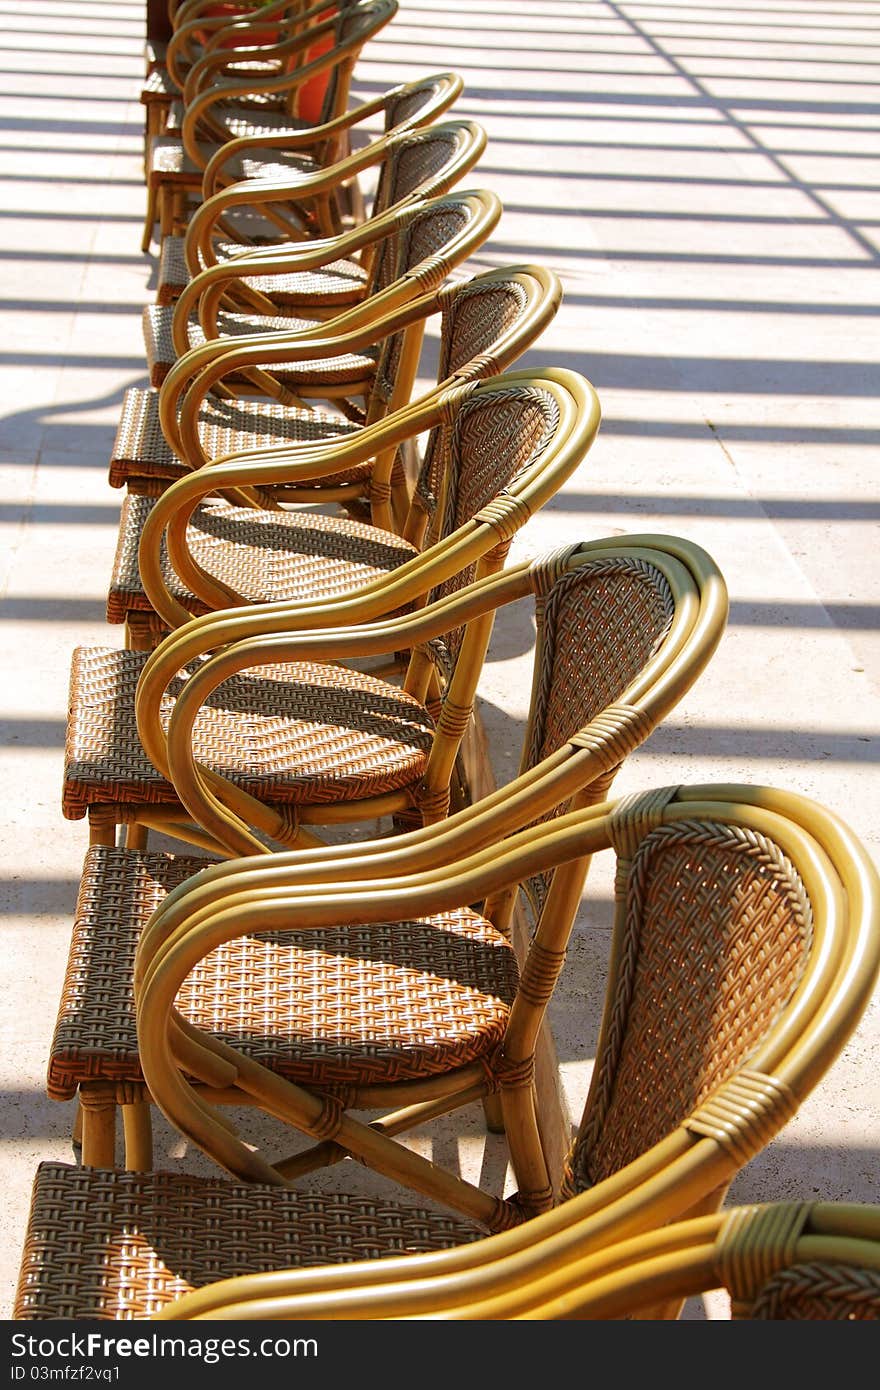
point(298, 187)
point(209, 283)
point(286, 140)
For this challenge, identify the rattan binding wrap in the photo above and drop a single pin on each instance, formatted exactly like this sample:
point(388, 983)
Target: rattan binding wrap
point(124, 1245)
point(265, 556)
point(287, 734)
point(331, 1009)
point(711, 912)
point(225, 427)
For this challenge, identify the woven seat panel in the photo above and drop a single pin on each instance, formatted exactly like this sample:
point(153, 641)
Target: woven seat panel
point(168, 160)
point(225, 427)
point(331, 1009)
point(159, 87)
point(349, 367)
point(121, 1246)
point(264, 556)
point(718, 937)
point(292, 733)
point(339, 283)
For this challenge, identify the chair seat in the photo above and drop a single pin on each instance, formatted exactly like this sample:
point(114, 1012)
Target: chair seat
point(289, 733)
point(346, 369)
point(265, 556)
point(225, 427)
point(168, 161)
point(335, 285)
point(332, 1010)
point(122, 1246)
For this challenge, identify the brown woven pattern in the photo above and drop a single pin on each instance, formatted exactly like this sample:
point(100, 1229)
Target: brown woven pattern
point(120, 1246)
point(472, 322)
point(363, 1004)
point(293, 732)
point(348, 367)
point(265, 556)
point(491, 440)
point(581, 671)
point(339, 283)
point(425, 237)
point(718, 933)
point(818, 1290)
point(225, 427)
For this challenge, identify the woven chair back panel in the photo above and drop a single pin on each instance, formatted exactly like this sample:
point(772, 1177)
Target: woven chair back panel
point(817, 1291)
point(597, 628)
point(406, 170)
point(475, 318)
point(427, 235)
point(407, 105)
point(491, 441)
point(581, 669)
point(717, 933)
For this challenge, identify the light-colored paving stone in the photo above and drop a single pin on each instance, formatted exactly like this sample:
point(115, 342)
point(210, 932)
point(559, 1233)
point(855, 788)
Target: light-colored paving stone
point(704, 180)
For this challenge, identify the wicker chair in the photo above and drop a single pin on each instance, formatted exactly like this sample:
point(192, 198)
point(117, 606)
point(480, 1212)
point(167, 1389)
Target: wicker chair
point(197, 33)
point(223, 301)
point(409, 106)
point(149, 449)
point(218, 111)
point(512, 441)
point(624, 629)
point(782, 906)
point(191, 552)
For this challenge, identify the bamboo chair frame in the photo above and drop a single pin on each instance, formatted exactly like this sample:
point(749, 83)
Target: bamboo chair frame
point(228, 280)
point(582, 764)
point(199, 246)
point(384, 332)
point(482, 541)
point(647, 1235)
point(166, 198)
point(194, 37)
point(264, 472)
point(777, 1260)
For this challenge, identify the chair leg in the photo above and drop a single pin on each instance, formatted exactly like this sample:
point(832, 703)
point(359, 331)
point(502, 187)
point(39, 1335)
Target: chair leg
point(138, 1132)
point(102, 828)
point(76, 1137)
point(535, 1190)
point(149, 217)
point(136, 836)
point(493, 1113)
point(98, 1106)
